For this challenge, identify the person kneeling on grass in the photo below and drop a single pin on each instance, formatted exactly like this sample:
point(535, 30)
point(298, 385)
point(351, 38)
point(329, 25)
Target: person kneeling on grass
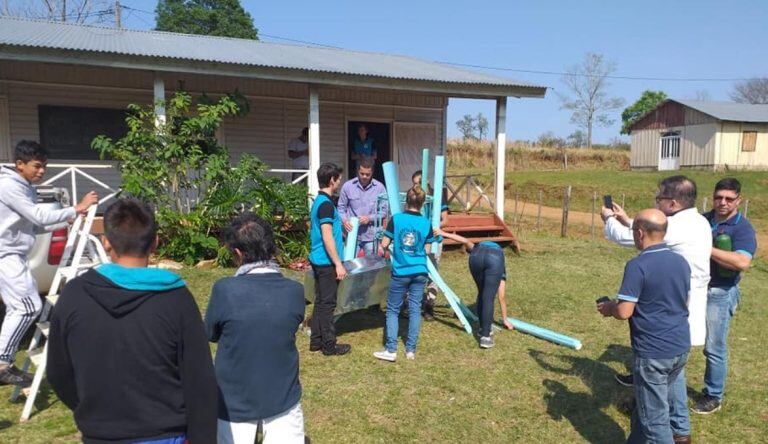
point(488, 268)
point(127, 351)
point(253, 316)
point(410, 234)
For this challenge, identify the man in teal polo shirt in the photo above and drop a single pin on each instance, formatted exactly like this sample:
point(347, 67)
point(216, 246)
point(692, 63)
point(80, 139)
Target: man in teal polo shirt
point(734, 244)
point(325, 246)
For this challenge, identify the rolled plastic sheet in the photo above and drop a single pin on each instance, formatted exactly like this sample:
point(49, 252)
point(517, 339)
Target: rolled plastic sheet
point(543, 333)
point(393, 190)
point(425, 178)
point(351, 246)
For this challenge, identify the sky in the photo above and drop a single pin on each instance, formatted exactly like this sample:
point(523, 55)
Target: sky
point(670, 39)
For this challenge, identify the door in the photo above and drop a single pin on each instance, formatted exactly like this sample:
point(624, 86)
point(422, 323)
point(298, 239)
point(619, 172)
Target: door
point(410, 140)
point(669, 153)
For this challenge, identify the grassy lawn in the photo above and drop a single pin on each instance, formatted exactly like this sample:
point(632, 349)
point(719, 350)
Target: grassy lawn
point(523, 390)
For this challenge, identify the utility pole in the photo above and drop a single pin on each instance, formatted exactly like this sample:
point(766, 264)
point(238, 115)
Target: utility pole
point(63, 10)
point(118, 14)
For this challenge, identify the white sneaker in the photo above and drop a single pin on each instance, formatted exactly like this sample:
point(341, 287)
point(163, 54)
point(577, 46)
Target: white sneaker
point(385, 355)
point(486, 342)
point(410, 355)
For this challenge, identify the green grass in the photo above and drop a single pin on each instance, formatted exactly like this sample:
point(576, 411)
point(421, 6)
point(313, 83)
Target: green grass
point(523, 390)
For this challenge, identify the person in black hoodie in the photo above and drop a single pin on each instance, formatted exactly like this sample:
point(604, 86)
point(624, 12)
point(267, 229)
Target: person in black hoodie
point(128, 352)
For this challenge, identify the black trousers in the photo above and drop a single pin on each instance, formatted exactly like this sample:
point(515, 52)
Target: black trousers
point(323, 331)
point(488, 270)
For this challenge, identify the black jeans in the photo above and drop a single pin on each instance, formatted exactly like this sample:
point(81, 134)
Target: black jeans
point(323, 331)
point(488, 270)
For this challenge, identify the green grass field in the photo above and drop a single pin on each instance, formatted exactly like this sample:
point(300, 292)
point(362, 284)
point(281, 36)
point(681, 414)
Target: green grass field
point(523, 390)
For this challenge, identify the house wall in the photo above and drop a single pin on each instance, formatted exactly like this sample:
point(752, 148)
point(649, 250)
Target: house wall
point(730, 154)
point(278, 110)
point(697, 146)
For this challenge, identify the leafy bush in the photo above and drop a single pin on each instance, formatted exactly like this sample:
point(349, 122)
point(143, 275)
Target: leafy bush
point(180, 167)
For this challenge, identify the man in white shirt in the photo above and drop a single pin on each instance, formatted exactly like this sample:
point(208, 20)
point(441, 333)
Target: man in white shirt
point(688, 235)
point(298, 151)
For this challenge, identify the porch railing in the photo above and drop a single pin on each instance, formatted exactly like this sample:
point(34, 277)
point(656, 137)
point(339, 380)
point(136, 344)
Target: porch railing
point(473, 192)
point(73, 171)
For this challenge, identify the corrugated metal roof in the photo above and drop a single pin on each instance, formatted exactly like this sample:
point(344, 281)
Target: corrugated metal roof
point(737, 112)
point(65, 36)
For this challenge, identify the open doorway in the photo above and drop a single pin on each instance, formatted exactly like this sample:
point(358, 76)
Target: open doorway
point(378, 134)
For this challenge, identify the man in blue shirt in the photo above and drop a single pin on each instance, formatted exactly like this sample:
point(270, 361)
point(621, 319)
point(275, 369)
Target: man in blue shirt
point(358, 199)
point(364, 148)
point(325, 246)
point(654, 296)
point(734, 244)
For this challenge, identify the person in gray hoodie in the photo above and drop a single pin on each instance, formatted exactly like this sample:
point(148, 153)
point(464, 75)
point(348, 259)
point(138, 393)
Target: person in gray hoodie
point(20, 218)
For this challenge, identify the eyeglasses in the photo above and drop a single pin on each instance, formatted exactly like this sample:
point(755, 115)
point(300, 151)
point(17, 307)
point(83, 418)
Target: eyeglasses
point(725, 198)
point(660, 198)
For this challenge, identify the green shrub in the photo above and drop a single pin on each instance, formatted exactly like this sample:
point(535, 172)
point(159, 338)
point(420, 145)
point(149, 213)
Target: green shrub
point(180, 167)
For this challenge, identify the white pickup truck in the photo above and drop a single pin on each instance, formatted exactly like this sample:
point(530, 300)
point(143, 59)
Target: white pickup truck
point(49, 246)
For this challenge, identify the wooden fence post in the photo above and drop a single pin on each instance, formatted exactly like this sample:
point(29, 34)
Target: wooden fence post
point(704, 205)
point(538, 213)
point(622, 201)
point(592, 227)
point(746, 208)
point(566, 206)
point(514, 215)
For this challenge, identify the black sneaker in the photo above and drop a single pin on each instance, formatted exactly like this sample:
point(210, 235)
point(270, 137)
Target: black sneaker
point(625, 380)
point(338, 350)
point(9, 377)
point(314, 349)
point(706, 405)
point(18, 372)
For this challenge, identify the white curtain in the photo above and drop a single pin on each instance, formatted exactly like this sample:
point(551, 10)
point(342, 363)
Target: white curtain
point(410, 140)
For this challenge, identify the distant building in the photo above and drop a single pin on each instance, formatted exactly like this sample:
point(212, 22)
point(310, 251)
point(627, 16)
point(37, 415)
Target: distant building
point(703, 135)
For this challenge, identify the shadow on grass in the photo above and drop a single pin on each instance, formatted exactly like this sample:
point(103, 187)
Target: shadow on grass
point(584, 410)
point(4, 424)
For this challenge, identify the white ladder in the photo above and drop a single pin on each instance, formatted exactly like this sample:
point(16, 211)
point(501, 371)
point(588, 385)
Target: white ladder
point(72, 264)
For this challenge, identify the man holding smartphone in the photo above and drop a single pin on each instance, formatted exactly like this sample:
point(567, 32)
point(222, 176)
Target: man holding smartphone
point(653, 296)
point(688, 235)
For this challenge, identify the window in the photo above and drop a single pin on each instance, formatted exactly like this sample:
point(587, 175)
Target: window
point(67, 132)
point(748, 140)
point(670, 145)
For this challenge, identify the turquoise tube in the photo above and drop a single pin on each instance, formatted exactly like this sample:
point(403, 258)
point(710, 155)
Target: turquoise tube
point(450, 296)
point(424, 168)
point(543, 333)
point(437, 197)
point(393, 190)
point(351, 245)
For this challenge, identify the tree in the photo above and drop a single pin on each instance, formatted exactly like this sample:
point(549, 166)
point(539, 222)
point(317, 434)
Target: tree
point(577, 139)
point(648, 100)
point(481, 126)
point(587, 81)
point(75, 11)
point(466, 127)
point(754, 91)
point(223, 18)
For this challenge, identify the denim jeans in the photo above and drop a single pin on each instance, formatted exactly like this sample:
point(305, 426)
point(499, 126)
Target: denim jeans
point(721, 305)
point(365, 247)
point(399, 287)
point(661, 400)
point(488, 270)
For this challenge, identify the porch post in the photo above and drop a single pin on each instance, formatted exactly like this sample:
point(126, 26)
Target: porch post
point(159, 101)
point(501, 143)
point(314, 140)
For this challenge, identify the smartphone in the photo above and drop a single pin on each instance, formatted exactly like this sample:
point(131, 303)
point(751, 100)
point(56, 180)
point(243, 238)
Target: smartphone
point(602, 299)
point(608, 201)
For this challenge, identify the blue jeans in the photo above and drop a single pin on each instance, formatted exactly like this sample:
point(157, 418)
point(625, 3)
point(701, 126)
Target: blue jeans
point(721, 305)
point(413, 286)
point(488, 270)
point(175, 440)
point(661, 400)
point(366, 247)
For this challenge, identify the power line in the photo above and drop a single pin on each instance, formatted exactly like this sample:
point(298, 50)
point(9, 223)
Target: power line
point(559, 73)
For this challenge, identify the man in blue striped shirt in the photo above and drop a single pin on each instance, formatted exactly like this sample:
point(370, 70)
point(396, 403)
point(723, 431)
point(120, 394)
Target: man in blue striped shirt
point(358, 199)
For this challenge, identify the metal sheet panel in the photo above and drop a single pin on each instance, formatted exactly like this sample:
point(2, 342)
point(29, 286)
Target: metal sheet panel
point(367, 284)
